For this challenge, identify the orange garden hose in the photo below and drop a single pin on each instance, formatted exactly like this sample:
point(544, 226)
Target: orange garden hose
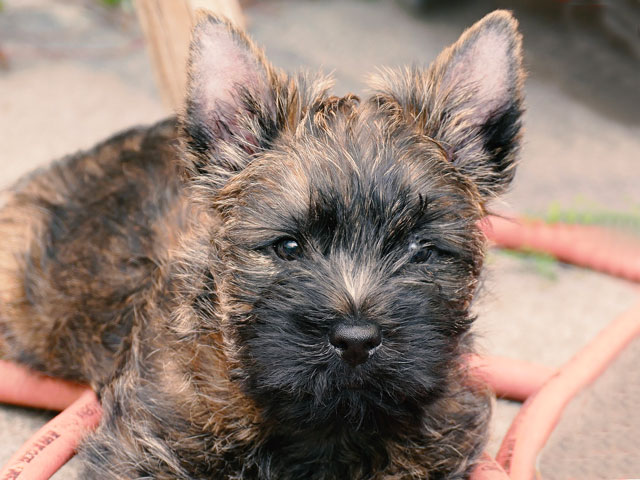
point(586, 246)
point(539, 415)
point(55, 443)
point(547, 391)
point(21, 386)
point(509, 378)
point(488, 468)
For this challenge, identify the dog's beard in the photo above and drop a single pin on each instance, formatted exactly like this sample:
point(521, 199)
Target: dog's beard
point(297, 378)
point(301, 382)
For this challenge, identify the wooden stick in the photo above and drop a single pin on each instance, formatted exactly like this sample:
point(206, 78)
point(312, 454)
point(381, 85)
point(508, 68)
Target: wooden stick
point(167, 28)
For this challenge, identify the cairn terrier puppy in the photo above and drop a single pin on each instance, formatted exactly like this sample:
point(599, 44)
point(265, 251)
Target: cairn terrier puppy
point(277, 284)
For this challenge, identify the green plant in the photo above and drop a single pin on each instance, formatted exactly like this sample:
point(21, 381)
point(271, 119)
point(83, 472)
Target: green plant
point(112, 3)
point(581, 213)
point(541, 263)
point(592, 215)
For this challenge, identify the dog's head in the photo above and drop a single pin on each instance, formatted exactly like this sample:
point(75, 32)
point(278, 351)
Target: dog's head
point(345, 251)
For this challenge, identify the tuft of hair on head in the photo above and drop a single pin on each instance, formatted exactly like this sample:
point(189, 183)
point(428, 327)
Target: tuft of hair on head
point(469, 100)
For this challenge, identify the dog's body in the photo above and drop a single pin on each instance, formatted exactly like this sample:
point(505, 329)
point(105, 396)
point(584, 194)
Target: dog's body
point(277, 286)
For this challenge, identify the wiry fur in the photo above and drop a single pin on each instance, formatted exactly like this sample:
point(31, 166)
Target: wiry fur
point(147, 268)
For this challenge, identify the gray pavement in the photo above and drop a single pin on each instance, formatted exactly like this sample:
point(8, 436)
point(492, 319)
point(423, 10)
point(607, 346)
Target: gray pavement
point(78, 73)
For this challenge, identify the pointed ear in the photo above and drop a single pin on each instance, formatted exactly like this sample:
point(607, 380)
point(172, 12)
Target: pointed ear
point(469, 100)
point(230, 109)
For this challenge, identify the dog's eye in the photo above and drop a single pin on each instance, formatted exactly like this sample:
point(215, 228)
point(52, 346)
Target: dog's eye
point(287, 249)
point(419, 251)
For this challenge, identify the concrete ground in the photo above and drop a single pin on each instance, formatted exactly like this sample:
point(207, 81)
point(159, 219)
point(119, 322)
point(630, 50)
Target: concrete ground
point(76, 72)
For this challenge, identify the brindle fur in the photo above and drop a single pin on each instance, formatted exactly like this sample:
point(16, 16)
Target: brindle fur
point(145, 267)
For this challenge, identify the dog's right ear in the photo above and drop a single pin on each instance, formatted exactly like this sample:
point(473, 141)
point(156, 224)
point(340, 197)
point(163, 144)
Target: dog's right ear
point(230, 110)
point(469, 100)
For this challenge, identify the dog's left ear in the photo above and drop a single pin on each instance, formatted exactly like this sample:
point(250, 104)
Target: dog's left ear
point(232, 100)
point(469, 100)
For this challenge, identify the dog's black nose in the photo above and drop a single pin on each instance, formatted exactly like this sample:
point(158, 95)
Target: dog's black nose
point(355, 341)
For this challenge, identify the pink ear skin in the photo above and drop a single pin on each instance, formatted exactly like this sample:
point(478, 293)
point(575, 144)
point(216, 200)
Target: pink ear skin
point(486, 62)
point(469, 101)
point(479, 101)
point(228, 79)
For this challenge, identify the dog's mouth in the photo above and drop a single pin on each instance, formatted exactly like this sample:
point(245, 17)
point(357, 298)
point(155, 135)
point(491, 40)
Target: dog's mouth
point(353, 400)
